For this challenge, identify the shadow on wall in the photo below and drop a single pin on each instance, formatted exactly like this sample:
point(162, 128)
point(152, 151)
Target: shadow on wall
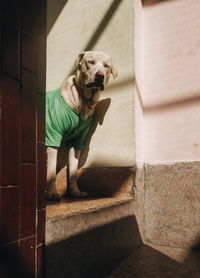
point(166, 105)
point(100, 112)
point(53, 12)
point(153, 2)
point(104, 23)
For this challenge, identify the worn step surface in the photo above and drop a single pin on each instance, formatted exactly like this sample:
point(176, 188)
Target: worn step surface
point(159, 262)
point(89, 237)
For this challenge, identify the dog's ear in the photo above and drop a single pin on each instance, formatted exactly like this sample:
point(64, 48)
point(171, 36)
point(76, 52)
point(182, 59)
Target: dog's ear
point(114, 72)
point(78, 60)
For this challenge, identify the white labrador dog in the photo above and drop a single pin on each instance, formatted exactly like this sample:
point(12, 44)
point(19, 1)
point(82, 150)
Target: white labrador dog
point(69, 111)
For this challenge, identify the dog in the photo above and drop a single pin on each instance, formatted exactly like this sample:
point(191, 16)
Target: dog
point(69, 113)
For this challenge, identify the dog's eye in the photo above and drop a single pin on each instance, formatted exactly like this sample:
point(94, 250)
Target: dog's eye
point(92, 62)
point(106, 65)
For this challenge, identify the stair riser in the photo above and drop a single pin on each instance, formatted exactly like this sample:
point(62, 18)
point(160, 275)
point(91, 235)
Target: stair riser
point(62, 228)
point(101, 181)
point(93, 253)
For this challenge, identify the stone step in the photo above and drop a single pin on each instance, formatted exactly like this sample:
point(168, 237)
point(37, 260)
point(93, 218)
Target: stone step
point(89, 237)
point(150, 261)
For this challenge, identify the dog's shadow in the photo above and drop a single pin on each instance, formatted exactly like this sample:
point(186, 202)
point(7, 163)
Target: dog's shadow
point(100, 112)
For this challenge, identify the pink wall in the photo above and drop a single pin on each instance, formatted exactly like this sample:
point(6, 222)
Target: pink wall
point(168, 81)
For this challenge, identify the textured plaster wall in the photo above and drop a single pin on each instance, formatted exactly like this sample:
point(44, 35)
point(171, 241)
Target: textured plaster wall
point(98, 25)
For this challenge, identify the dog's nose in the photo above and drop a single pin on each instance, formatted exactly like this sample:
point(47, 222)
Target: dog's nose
point(99, 76)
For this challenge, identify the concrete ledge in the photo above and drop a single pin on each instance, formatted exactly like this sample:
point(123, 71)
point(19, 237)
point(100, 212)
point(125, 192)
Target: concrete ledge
point(72, 217)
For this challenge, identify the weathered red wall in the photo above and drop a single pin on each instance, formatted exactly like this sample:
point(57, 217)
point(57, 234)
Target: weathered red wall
point(22, 155)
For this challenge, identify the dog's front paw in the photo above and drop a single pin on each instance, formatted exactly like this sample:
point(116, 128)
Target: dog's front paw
point(83, 194)
point(77, 194)
point(54, 197)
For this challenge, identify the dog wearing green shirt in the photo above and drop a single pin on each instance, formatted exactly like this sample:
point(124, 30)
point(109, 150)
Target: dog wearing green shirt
point(69, 113)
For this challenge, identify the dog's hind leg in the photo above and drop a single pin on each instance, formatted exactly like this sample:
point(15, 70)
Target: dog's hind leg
point(73, 189)
point(52, 193)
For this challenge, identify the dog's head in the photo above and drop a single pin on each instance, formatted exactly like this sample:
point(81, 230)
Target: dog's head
point(93, 70)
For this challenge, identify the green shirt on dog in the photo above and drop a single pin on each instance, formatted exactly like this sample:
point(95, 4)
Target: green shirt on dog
point(64, 126)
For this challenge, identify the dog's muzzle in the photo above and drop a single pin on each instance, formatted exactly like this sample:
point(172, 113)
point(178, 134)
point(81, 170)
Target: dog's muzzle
point(98, 81)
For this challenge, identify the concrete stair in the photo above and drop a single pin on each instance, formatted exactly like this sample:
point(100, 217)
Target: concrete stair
point(89, 237)
point(99, 237)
